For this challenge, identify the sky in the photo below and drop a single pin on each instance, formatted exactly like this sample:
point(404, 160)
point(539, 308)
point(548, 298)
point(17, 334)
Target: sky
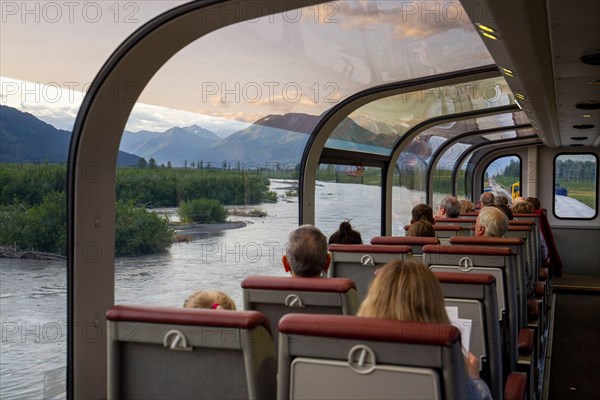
point(305, 60)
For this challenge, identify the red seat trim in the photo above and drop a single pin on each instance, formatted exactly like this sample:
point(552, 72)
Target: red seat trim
point(446, 228)
point(457, 277)
point(404, 240)
point(468, 250)
point(188, 316)
point(369, 248)
point(525, 342)
point(485, 240)
point(515, 387)
point(521, 222)
point(456, 220)
point(513, 228)
point(540, 288)
point(350, 327)
point(522, 215)
point(335, 285)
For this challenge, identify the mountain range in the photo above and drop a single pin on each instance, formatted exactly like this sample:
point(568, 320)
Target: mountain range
point(274, 138)
point(24, 138)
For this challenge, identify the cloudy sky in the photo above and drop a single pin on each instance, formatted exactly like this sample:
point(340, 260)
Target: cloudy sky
point(306, 60)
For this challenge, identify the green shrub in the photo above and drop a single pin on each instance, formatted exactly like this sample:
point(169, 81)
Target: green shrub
point(139, 231)
point(41, 227)
point(270, 197)
point(205, 211)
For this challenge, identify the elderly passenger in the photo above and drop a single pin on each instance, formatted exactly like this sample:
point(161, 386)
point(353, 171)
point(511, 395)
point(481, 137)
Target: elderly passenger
point(449, 208)
point(491, 222)
point(306, 253)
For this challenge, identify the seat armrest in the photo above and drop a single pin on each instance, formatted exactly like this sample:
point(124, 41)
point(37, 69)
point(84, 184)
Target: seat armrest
point(525, 343)
point(533, 310)
point(515, 386)
point(540, 289)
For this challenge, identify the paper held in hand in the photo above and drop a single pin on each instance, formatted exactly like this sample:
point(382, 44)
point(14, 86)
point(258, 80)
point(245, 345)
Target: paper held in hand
point(463, 325)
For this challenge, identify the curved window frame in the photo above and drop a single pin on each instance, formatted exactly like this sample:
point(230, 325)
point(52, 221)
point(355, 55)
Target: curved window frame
point(554, 181)
point(502, 156)
point(315, 151)
point(530, 140)
point(439, 153)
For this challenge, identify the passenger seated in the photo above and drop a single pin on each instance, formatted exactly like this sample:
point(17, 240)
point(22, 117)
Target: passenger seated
point(535, 203)
point(501, 199)
point(449, 208)
point(553, 262)
point(466, 206)
point(486, 199)
point(306, 253)
point(506, 210)
point(422, 211)
point(408, 290)
point(525, 207)
point(210, 299)
point(491, 222)
point(421, 228)
point(345, 235)
point(518, 200)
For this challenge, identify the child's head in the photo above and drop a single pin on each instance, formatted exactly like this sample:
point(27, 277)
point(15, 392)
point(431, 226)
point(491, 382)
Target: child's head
point(210, 299)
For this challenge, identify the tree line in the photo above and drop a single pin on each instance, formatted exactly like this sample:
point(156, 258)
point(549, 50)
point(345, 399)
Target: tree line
point(33, 203)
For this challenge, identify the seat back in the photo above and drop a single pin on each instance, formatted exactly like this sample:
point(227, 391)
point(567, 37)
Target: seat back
point(416, 243)
point(497, 261)
point(322, 356)
point(535, 238)
point(443, 231)
point(181, 353)
point(475, 297)
point(359, 262)
point(518, 248)
point(276, 296)
point(463, 222)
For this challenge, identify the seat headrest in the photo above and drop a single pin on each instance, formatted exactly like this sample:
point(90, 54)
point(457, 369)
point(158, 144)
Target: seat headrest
point(369, 248)
point(336, 285)
point(188, 316)
point(455, 220)
point(521, 222)
point(483, 240)
point(447, 228)
point(459, 277)
point(350, 327)
point(404, 240)
point(468, 250)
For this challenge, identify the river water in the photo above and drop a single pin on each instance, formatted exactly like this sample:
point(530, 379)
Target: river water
point(33, 293)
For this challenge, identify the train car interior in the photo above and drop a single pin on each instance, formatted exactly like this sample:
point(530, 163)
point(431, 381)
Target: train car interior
point(358, 110)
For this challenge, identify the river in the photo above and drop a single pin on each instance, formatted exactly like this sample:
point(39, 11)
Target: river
point(33, 293)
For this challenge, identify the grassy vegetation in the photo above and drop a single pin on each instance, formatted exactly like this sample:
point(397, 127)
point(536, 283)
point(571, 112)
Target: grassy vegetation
point(33, 214)
point(157, 187)
point(584, 191)
point(205, 211)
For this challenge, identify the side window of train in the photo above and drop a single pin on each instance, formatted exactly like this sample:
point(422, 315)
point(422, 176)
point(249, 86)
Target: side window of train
point(503, 177)
point(348, 193)
point(575, 189)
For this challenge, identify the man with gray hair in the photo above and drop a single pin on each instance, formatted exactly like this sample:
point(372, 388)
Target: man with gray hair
point(449, 208)
point(306, 253)
point(491, 222)
point(486, 199)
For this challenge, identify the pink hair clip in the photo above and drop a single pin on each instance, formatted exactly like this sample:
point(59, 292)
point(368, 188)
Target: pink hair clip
point(215, 306)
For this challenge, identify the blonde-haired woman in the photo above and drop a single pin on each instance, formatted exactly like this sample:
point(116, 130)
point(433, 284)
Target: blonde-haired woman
point(210, 299)
point(408, 290)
